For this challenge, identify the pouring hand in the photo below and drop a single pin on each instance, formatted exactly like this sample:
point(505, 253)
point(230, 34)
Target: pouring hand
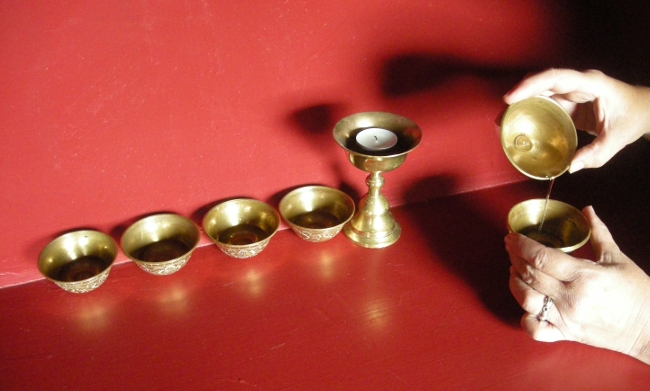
point(615, 112)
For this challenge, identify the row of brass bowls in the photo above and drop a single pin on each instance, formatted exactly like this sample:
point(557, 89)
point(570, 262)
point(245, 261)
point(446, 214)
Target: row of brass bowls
point(162, 244)
point(80, 261)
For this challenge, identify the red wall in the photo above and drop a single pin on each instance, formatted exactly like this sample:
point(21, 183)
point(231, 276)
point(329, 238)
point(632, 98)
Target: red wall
point(111, 110)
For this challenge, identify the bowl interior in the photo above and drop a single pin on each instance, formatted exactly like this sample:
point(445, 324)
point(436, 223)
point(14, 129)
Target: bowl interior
point(408, 135)
point(160, 238)
point(564, 227)
point(317, 207)
point(241, 222)
point(539, 137)
point(77, 256)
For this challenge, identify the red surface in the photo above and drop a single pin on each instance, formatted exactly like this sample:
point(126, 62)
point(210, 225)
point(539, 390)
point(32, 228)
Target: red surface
point(114, 110)
point(433, 311)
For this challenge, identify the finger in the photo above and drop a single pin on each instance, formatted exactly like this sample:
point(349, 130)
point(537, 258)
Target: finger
point(535, 278)
point(533, 301)
point(541, 331)
point(601, 239)
point(597, 153)
point(550, 261)
point(528, 298)
point(573, 85)
point(568, 105)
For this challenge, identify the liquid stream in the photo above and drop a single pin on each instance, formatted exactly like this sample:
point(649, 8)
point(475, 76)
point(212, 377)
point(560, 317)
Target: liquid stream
point(548, 195)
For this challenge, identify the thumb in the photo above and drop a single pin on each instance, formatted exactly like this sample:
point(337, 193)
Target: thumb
point(595, 154)
point(601, 239)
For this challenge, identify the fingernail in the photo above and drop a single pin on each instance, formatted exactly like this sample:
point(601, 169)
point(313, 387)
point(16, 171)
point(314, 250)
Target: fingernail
point(576, 166)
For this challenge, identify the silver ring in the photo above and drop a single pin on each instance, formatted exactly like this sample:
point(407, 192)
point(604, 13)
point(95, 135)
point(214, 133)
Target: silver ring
point(542, 316)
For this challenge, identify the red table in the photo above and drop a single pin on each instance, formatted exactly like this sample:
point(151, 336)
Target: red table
point(432, 311)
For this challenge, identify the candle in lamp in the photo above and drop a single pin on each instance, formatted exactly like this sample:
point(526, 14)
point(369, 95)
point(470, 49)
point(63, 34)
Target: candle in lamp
point(376, 139)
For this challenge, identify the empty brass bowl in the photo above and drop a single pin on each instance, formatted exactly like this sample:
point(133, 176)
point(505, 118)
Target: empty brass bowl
point(161, 244)
point(316, 213)
point(242, 227)
point(565, 227)
point(78, 261)
point(538, 137)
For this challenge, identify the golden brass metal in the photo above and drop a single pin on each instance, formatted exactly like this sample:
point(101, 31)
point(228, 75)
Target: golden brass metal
point(316, 213)
point(78, 261)
point(538, 137)
point(242, 227)
point(565, 227)
point(161, 244)
point(373, 226)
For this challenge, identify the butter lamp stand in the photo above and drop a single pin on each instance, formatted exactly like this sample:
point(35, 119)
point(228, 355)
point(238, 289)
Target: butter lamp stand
point(373, 226)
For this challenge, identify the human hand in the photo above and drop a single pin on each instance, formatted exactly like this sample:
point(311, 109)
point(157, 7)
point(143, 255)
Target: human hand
point(615, 112)
point(604, 303)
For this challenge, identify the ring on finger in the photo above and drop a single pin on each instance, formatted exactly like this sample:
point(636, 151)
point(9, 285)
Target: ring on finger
point(543, 314)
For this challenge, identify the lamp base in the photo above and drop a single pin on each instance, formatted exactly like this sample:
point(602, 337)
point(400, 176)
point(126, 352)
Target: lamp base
point(373, 226)
point(376, 240)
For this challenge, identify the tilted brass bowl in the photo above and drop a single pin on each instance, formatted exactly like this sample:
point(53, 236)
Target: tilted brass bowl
point(78, 261)
point(539, 137)
point(408, 135)
point(316, 213)
point(242, 227)
point(564, 228)
point(161, 244)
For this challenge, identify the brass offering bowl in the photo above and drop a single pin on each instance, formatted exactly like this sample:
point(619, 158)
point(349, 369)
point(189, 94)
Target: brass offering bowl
point(316, 213)
point(539, 137)
point(78, 261)
point(373, 226)
point(242, 227)
point(161, 244)
point(564, 227)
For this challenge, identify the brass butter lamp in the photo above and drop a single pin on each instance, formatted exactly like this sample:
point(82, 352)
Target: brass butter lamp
point(375, 142)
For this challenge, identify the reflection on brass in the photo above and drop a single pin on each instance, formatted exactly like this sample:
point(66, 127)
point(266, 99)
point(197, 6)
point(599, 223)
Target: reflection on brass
point(243, 234)
point(373, 226)
point(81, 269)
point(564, 228)
point(78, 261)
point(161, 244)
point(316, 213)
point(538, 137)
point(162, 251)
point(241, 228)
